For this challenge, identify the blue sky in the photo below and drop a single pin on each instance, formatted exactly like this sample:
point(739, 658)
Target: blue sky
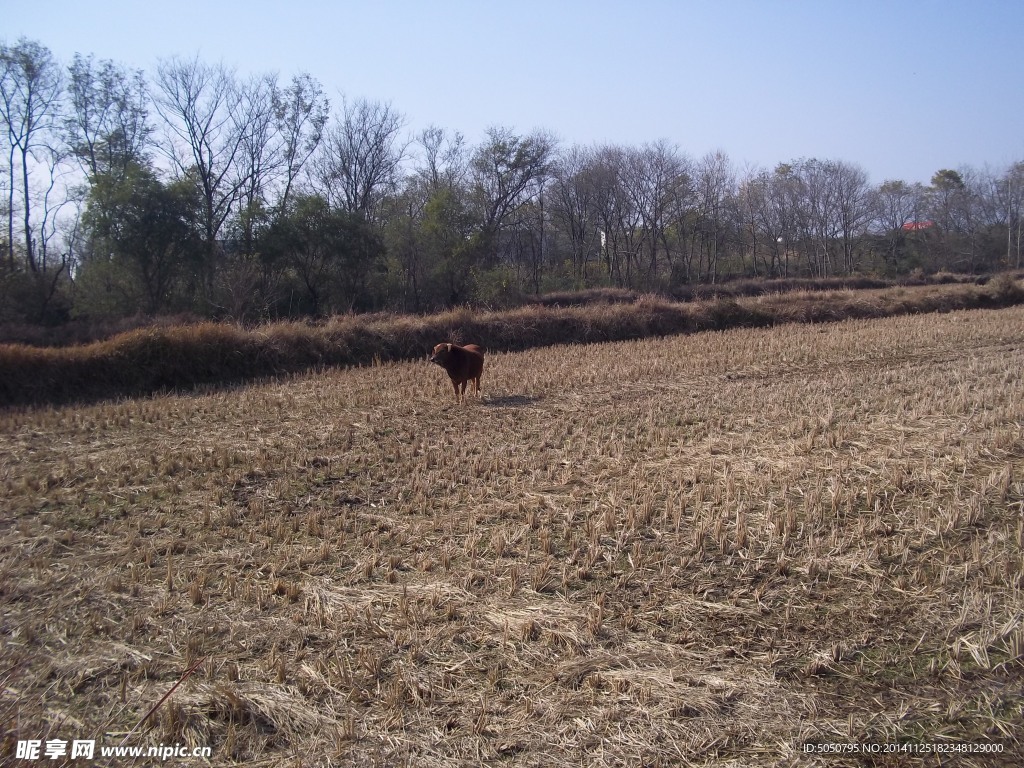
point(901, 88)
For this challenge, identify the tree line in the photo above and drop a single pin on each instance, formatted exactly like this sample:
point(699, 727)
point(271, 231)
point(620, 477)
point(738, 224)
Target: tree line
point(199, 190)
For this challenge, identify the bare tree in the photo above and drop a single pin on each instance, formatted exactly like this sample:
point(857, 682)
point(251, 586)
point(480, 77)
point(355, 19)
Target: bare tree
point(302, 112)
point(107, 127)
point(752, 196)
point(572, 205)
point(653, 178)
point(715, 188)
point(444, 158)
point(613, 212)
point(280, 129)
point(204, 139)
point(1013, 181)
point(817, 212)
point(260, 155)
point(980, 214)
point(6, 199)
point(897, 205)
point(775, 199)
point(53, 198)
point(853, 208)
point(31, 87)
point(425, 212)
point(506, 171)
point(360, 156)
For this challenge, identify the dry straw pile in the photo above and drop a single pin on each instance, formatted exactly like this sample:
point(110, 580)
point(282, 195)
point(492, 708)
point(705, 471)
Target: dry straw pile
point(699, 550)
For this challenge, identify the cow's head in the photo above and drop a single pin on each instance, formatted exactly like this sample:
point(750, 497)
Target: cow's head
point(442, 354)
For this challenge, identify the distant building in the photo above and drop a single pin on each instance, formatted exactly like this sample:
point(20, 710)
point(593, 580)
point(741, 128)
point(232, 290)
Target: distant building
point(915, 226)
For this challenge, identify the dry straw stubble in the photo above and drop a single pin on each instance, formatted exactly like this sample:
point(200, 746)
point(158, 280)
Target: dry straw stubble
point(697, 550)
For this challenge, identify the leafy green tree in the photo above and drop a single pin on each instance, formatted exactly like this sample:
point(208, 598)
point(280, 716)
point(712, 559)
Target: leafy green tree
point(454, 245)
point(406, 248)
point(144, 238)
point(334, 254)
point(948, 204)
point(413, 253)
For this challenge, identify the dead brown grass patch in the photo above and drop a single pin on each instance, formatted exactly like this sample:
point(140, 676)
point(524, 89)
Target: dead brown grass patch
point(160, 358)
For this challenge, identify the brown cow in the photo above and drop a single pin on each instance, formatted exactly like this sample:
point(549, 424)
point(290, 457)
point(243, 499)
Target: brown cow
point(463, 364)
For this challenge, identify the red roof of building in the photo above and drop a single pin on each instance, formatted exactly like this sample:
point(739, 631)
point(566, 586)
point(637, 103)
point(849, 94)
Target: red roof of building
point(913, 226)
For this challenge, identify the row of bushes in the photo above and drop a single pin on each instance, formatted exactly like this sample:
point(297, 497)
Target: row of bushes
point(757, 287)
point(160, 358)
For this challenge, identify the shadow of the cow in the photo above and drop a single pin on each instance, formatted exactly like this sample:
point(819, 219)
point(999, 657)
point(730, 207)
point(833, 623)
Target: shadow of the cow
point(509, 401)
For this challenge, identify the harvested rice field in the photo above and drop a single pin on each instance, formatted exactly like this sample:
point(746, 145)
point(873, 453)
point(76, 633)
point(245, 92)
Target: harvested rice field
point(794, 546)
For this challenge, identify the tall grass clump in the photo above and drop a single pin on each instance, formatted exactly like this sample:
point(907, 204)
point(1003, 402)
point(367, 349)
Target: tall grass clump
point(162, 358)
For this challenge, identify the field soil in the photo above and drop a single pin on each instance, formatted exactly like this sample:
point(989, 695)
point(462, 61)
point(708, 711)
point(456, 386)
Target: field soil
point(730, 548)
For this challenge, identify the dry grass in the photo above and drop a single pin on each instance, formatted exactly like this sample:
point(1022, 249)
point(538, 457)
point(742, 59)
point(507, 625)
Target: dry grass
point(162, 358)
point(85, 331)
point(701, 550)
